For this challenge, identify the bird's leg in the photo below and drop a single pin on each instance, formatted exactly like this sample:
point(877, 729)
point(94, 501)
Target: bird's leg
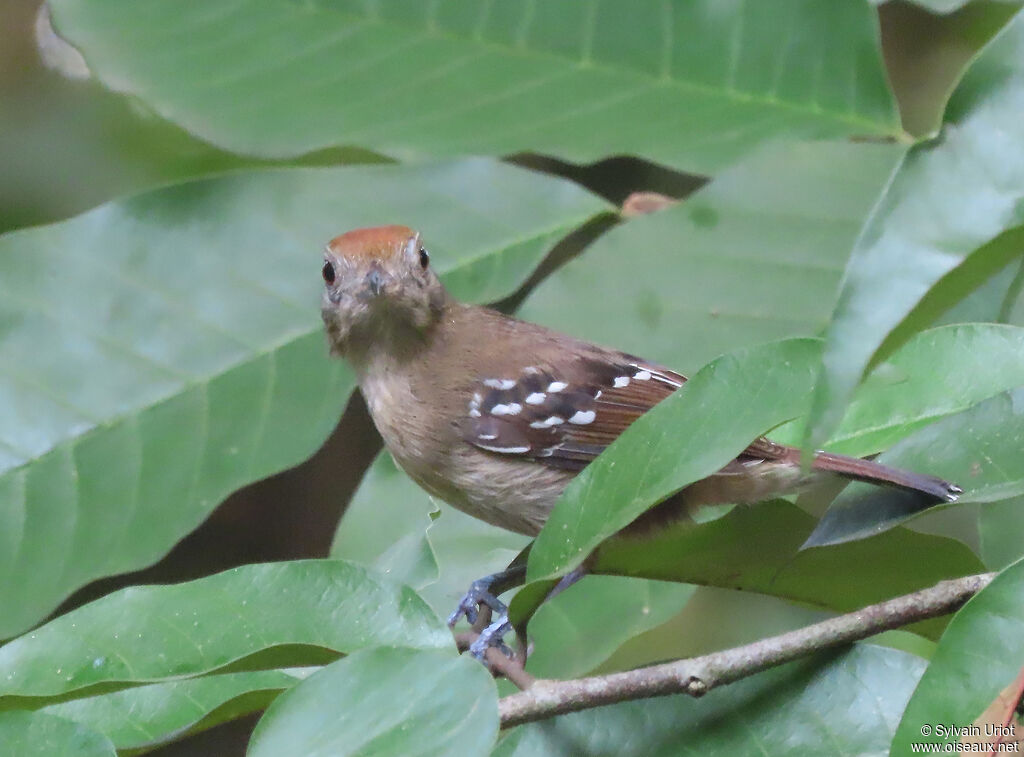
point(485, 591)
point(494, 634)
point(567, 580)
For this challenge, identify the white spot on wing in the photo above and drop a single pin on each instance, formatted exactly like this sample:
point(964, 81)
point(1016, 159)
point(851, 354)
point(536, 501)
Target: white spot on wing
point(487, 436)
point(583, 417)
point(536, 398)
point(553, 420)
point(642, 375)
point(505, 450)
point(499, 383)
point(556, 386)
point(656, 375)
point(474, 413)
point(666, 380)
point(512, 408)
point(620, 382)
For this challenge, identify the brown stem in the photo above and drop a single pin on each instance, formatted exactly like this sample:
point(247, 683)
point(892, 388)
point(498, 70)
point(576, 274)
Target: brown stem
point(698, 675)
point(498, 662)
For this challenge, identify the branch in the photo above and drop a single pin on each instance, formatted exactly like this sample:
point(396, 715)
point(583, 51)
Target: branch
point(698, 675)
point(497, 661)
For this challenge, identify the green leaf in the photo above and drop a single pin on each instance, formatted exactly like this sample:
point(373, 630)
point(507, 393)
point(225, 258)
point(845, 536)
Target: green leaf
point(935, 374)
point(386, 525)
point(389, 514)
point(979, 449)
point(938, 230)
point(143, 634)
point(991, 302)
point(580, 628)
point(729, 402)
point(754, 256)
point(692, 84)
point(757, 548)
point(1001, 533)
point(713, 619)
point(145, 716)
point(161, 351)
point(381, 702)
point(831, 704)
point(981, 653)
point(32, 734)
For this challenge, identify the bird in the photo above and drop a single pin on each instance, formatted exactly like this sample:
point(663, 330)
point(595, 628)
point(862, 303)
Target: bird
point(495, 415)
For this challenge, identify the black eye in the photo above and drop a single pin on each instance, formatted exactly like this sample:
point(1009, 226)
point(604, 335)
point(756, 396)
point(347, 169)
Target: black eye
point(328, 272)
point(424, 258)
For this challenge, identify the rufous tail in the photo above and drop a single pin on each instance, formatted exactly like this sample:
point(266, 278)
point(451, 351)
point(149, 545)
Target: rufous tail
point(876, 473)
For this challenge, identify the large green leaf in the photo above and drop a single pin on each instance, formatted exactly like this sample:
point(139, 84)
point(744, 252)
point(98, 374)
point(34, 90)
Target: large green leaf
point(144, 716)
point(757, 548)
point(981, 653)
point(729, 402)
point(755, 255)
point(980, 449)
point(581, 627)
point(919, 384)
point(386, 524)
point(922, 383)
point(836, 704)
point(33, 734)
point(1001, 532)
point(143, 634)
point(384, 702)
point(692, 83)
point(161, 351)
point(389, 518)
point(713, 619)
point(943, 217)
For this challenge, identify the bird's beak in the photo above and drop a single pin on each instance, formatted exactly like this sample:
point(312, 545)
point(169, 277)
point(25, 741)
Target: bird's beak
point(376, 280)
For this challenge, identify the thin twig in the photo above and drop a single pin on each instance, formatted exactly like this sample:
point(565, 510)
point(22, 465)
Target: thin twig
point(696, 676)
point(498, 662)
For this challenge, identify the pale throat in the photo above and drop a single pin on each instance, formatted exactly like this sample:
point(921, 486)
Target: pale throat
point(383, 344)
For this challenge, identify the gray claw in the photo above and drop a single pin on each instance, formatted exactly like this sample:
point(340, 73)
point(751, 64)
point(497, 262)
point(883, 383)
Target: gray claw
point(493, 636)
point(479, 594)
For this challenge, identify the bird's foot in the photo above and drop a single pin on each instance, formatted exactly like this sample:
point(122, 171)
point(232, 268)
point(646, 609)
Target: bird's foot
point(484, 593)
point(479, 595)
point(493, 637)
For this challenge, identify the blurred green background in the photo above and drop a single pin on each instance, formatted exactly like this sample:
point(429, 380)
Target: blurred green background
point(67, 145)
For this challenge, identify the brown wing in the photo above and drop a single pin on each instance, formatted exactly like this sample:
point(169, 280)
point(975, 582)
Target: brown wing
point(564, 417)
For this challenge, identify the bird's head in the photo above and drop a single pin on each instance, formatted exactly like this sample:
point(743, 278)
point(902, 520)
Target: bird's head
point(379, 286)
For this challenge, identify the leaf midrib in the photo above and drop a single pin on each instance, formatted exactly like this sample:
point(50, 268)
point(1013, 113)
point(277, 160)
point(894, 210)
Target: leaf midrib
point(732, 95)
point(648, 81)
